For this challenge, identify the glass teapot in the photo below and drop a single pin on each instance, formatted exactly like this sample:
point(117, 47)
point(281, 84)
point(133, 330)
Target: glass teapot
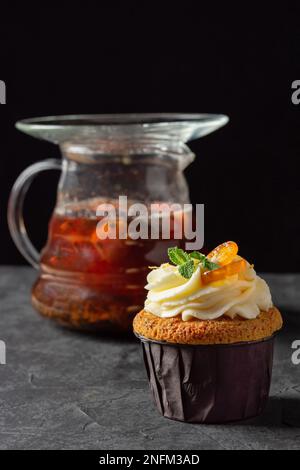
point(85, 282)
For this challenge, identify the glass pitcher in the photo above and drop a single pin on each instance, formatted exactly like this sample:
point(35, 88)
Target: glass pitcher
point(85, 282)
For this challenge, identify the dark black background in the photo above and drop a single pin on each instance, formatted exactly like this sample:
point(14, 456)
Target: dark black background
point(237, 60)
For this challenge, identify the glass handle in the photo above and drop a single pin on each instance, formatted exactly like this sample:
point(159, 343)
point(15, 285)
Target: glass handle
point(15, 208)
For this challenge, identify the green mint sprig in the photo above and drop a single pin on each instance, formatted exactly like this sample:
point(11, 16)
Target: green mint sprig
point(186, 269)
point(178, 256)
point(187, 262)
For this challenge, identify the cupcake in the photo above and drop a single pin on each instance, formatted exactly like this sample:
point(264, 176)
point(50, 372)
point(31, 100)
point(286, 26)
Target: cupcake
point(207, 331)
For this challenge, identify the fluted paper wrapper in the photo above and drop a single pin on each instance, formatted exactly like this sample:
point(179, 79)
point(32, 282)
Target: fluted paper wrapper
point(209, 383)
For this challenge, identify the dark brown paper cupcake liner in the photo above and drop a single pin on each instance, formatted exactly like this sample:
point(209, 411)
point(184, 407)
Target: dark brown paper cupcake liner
point(209, 383)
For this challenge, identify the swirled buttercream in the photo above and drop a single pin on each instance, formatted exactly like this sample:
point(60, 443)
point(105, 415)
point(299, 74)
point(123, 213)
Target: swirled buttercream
point(169, 294)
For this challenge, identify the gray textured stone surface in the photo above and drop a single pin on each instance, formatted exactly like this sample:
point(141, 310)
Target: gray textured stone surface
point(66, 390)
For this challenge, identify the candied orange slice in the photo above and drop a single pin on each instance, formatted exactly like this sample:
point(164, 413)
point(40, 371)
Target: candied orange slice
point(224, 253)
point(221, 273)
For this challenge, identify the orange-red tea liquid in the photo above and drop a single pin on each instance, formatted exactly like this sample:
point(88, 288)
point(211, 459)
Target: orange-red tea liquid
point(90, 283)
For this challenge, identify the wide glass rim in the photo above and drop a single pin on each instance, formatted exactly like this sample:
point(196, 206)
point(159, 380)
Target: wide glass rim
point(120, 119)
point(186, 126)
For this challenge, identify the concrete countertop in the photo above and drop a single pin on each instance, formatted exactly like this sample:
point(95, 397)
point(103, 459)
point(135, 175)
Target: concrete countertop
point(66, 390)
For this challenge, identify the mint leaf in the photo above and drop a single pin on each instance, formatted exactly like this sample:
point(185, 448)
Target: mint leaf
point(185, 261)
point(186, 269)
point(206, 263)
point(178, 256)
point(210, 265)
point(197, 255)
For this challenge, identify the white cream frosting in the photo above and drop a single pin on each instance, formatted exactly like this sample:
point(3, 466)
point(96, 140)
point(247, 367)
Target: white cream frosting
point(244, 294)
